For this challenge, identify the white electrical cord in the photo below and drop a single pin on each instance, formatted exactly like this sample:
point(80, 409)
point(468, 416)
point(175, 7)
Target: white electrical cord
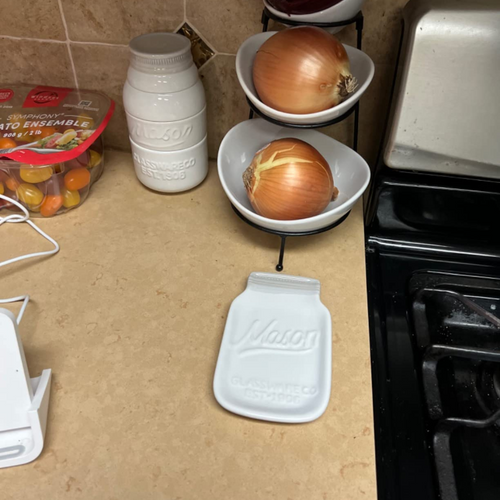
point(15, 218)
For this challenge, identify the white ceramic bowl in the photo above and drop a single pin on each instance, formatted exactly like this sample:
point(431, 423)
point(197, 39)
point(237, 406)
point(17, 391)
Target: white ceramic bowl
point(343, 11)
point(362, 68)
point(351, 173)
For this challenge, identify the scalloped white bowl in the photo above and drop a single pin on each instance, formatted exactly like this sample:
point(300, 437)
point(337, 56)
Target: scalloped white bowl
point(343, 11)
point(351, 173)
point(362, 68)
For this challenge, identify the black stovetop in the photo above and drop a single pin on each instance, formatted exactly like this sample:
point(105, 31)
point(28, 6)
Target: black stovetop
point(433, 270)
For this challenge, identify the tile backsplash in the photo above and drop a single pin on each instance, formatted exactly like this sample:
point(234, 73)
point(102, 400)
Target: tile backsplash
point(84, 43)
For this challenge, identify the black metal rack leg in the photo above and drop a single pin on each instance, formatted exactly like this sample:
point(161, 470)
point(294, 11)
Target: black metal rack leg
point(279, 266)
point(264, 21)
point(359, 29)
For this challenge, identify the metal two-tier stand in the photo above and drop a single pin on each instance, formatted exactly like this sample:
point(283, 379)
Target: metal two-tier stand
point(358, 21)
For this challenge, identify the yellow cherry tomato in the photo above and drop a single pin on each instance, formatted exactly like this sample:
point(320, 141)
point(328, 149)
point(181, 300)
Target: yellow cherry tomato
point(86, 122)
point(95, 158)
point(36, 174)
point(34, 208)
point(51, 204)
point(70, 198)
point(68, 136)
point(2, 189)
point(77, 178)
point(29, 194)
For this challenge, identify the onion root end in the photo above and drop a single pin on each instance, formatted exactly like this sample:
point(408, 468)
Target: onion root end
point(347, 85)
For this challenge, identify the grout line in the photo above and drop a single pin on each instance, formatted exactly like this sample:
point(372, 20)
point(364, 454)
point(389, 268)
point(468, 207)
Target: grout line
point(105, 44)
point(47, 40)
point(185, 11)
point(225, 54)
point(70, 53)
point(42, 40)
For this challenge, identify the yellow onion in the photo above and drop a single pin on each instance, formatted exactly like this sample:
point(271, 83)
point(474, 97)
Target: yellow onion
point(302, 70)
point(288, 180)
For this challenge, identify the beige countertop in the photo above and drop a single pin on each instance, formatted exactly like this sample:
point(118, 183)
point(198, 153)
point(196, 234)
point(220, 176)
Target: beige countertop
point(129, 316)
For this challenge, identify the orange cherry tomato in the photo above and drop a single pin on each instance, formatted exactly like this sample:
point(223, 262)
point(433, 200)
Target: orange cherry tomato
point(51, 204)
point(46, 132)
point(12, 183)
point(76, 179)
point(6, 143)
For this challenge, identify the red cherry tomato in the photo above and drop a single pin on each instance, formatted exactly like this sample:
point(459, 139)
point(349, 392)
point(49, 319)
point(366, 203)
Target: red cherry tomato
point(80, 161)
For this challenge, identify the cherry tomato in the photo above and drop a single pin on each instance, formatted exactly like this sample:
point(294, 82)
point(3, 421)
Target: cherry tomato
point(52, 143)
point(5, 203)
point(95, 159)
point(86, 121)
point(6, 143)
point(21, 129)
point(80, 161)
point(51, 204)
point(54, 185)
point(70, 198)
point(29, 194)
point(45, 132)
point(12, 183)
point(35, 174)
point(76, 179)
point(34, 208)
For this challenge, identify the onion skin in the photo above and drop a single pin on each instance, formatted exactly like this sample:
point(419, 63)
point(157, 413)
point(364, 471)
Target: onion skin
point(289, 180)
point(302, 70)
point(302, 6)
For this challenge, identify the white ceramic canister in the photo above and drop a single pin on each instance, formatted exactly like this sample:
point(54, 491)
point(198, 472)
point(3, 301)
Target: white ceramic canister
point(165, 106)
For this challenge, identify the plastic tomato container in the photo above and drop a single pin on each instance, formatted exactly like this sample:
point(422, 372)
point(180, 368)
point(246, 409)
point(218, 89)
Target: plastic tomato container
point(51, 148)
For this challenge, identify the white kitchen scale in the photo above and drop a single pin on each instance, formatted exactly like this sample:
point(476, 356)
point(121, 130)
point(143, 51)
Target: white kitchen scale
point(24, 401)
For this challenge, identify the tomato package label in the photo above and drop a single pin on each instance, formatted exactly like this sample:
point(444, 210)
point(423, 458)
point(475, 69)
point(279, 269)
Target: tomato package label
point(6, 95)
point(45, 97)
point(41, 125)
